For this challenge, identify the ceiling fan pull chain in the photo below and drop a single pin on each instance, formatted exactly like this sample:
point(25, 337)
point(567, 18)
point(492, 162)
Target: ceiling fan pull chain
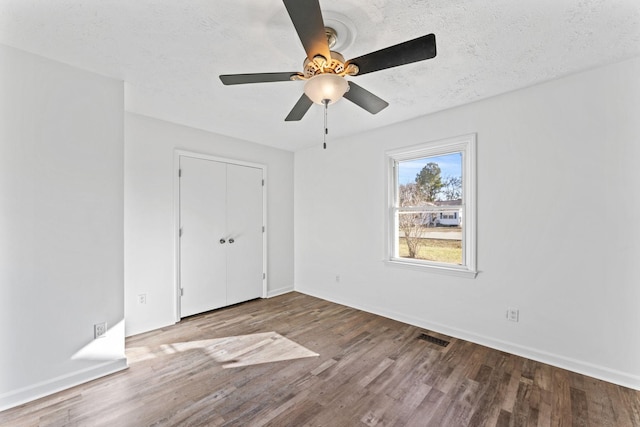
point(326, 130)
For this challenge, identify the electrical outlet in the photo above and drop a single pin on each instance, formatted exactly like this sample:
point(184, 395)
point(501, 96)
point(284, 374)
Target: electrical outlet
point(100, 330)
point(513, 314)
point(142, 298)
point(337, 278)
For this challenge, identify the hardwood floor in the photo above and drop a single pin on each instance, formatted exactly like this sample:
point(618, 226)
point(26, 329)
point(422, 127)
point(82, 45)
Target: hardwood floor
point(368, 371)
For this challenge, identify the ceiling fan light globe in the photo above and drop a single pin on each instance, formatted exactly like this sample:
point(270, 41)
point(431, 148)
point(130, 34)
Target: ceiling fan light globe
point(326, 86)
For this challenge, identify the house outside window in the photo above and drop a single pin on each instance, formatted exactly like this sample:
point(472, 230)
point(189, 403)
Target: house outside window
point(431, 206)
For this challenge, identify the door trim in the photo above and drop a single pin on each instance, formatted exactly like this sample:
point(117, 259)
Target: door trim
point(176, 218)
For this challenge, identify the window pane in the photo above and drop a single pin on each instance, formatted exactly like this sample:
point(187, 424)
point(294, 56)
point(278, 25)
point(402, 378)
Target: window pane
point(430, 209)
point(419, 237)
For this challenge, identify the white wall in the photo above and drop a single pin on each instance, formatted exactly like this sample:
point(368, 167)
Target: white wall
point(149, 222)
point(558, 229)
point(61, 226)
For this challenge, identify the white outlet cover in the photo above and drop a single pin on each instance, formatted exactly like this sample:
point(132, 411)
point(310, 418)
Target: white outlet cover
point(100, 330)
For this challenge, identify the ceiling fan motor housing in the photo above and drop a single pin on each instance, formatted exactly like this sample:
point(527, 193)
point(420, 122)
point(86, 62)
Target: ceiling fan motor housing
point(319, 65)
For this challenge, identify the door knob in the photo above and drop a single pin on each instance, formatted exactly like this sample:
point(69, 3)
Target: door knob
point(231, 240)
point(222, 241)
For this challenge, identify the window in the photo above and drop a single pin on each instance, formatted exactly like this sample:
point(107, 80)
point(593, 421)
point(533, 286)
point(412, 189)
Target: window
point(431, 209)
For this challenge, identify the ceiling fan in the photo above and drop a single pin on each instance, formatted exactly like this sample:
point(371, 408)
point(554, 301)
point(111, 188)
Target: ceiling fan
point(325, 70)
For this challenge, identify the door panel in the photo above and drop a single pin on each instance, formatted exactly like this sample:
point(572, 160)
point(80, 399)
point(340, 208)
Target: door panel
point(244, 226)
point(203, 259)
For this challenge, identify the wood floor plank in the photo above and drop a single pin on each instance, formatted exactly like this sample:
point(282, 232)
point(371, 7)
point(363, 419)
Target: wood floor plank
point(490, 395)
point(579, 409)
point(221, 369)
point(504, 419)
point(410, 400)
point(426, 410)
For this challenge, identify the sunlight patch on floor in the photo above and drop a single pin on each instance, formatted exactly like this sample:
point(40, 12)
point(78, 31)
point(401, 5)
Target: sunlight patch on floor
point(236, 351)
point(245, 350)
point(139, 354)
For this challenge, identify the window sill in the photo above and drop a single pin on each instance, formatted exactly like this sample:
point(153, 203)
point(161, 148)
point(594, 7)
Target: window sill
point(432, 268)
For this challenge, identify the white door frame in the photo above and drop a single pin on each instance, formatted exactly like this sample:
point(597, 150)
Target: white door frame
point(176, 217)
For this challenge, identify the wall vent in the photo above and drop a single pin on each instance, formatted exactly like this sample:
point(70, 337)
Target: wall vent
point(429, 338)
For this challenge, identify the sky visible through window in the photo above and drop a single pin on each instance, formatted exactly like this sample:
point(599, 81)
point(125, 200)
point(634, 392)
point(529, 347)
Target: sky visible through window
point(450, 165)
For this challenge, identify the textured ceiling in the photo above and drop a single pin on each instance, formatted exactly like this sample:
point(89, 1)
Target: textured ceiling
point(170, 53)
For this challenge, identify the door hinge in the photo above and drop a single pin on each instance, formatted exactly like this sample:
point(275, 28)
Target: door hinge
point(263, 182)
point(263, 228)
point(180, 232)
point(179, 173)
point(181, 292)
point(264, 275)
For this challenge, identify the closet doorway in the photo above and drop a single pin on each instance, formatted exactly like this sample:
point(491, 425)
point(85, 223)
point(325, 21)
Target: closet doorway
point(220, 233)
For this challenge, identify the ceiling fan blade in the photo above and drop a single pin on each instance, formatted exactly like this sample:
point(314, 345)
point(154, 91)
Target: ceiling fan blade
point(300, 109)
point(307, 19)
point(238, 79)
point(365, 99)
point(400, 54)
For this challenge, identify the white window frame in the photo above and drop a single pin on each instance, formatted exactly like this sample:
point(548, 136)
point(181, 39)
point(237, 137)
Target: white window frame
point(465, 144)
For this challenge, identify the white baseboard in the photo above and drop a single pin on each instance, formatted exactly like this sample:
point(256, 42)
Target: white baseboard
point(36, 391)
point(280, 291)
point(585, 368)
point(147, 327)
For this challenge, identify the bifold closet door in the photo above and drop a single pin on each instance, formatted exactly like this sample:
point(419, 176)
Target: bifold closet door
point(244, 231)
point(221, 238)
point(203, 212)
